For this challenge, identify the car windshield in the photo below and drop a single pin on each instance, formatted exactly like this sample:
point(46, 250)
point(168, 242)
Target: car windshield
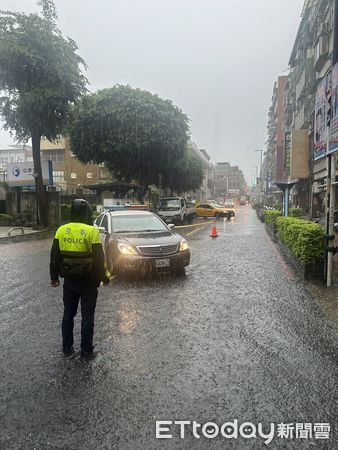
point(170, 203)
point(137, 223)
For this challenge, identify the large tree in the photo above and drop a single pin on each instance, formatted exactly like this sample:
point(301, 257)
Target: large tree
point(185, 174)
point(137, 134)
point(40, 76)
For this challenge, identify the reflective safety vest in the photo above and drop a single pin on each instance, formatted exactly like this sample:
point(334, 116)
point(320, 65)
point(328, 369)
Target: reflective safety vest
point(75, 244)
point(77, 238)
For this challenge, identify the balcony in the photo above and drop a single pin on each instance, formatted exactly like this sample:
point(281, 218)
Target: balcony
point(322, 52)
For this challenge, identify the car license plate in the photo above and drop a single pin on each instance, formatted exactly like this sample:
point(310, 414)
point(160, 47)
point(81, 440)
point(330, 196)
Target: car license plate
point(162, 263)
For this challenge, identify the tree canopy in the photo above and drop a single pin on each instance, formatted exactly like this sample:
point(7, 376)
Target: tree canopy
point(185, 174)
point(40, 76)
point(137, 134)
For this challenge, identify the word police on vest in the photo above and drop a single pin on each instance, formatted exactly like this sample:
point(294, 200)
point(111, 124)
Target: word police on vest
point(75, 240)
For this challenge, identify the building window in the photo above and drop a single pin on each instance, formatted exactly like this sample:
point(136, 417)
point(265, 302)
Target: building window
point(89, 175)
point(53, 155)
point(58, 175)
point(73, 175)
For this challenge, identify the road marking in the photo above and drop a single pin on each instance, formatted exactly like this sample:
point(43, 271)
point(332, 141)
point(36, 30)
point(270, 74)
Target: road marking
point(194, 225)
point(197, 229)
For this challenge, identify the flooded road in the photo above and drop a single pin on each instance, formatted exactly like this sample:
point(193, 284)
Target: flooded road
point(238, 338)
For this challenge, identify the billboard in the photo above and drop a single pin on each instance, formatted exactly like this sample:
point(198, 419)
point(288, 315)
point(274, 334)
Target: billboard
point(320, 120)
point(21, 174)
point(333, 145)
point(299, 154)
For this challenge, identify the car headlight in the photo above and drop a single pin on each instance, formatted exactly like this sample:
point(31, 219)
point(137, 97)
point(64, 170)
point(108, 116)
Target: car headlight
point(126, 249)
point(183, 245)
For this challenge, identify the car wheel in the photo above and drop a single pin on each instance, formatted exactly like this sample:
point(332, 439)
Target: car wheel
point(217, 215)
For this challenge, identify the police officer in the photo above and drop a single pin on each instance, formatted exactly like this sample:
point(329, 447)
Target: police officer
point(78, 257)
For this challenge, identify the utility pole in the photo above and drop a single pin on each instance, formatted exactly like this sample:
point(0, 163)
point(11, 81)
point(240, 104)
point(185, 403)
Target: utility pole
point(260, 171)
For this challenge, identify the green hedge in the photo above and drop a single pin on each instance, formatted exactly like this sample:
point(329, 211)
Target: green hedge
point(295, 212)
point(271, 216)
point(6, 220)
point(305, 239)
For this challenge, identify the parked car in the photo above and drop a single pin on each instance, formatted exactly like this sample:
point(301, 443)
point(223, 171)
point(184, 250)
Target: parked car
point(176, 209)
point(139, 241)
point(211, 210)
point(229, 205)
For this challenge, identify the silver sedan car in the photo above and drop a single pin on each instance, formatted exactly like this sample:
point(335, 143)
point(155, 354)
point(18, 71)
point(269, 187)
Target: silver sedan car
point(139, 241)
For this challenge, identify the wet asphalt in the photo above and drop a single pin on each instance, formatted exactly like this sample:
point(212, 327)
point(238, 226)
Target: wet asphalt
point(238, 337)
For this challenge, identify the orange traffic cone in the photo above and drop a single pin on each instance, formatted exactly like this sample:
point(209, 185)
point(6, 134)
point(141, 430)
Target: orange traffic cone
point(214, 230)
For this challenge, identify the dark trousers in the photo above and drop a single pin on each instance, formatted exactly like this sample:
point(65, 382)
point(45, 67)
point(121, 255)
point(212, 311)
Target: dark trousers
point(73, 292)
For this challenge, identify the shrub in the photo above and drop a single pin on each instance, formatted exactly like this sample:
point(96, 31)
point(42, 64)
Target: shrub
point(295, 212)
point(24, 219)
point(6, 220)
point(305, 239)
point(271, 216)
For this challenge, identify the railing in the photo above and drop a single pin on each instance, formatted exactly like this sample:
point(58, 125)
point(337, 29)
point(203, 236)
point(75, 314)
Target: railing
point(16, 228)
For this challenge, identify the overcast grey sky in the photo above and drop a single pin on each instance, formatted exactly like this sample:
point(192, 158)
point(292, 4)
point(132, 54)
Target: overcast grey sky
point(215, 59)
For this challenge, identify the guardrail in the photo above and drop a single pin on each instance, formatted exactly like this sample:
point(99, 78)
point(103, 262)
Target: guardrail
point(14, 229)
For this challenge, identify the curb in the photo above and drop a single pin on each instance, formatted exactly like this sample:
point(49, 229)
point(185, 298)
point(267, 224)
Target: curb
point(43, 234)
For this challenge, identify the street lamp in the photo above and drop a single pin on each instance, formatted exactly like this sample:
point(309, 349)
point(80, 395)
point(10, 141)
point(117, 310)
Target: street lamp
point(255, 175)
point(260, 150)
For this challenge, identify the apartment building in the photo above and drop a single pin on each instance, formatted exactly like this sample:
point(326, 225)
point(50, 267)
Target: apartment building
point(291, 152)
point(14, 154)
point(274, 161)
point(228, 180)
point(204, 192)
point(68, 172)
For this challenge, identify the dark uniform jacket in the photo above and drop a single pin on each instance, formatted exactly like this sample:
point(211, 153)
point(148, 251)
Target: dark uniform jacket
point(79, 244)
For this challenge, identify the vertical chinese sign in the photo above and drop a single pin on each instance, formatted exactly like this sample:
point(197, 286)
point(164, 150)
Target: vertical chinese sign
point(287, 150)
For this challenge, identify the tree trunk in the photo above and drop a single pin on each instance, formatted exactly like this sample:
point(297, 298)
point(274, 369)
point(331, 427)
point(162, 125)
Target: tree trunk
point(41, 195)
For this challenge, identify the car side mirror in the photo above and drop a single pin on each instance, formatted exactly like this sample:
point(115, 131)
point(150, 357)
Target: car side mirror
point(102, 230)
point(171, 226)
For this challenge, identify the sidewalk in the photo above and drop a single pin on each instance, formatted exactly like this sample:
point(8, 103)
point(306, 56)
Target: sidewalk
point(21, 234)
point(327, 299)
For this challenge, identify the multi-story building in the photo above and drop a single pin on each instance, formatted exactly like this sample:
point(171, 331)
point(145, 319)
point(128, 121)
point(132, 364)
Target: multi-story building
point(205, 190)
point(68, 172)
point(274, 158)
point(290, 148)
point(310, 62)
point(14, 154)
point(228, 180)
